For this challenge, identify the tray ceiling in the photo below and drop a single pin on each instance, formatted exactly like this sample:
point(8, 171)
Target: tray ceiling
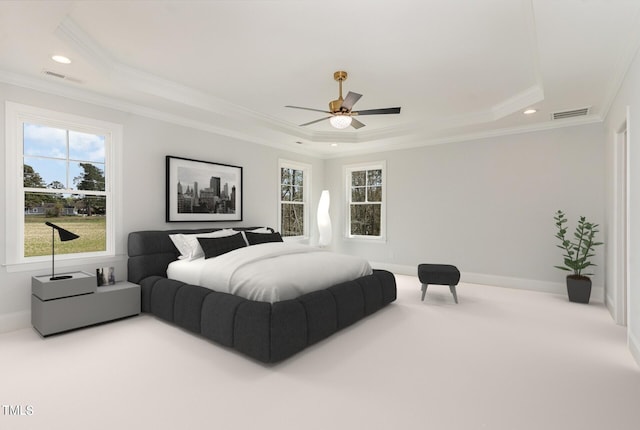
point(457, 68)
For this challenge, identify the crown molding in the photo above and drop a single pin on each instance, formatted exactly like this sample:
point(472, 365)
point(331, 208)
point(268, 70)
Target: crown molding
point(69, 32)
point(518, 102)
point(418, 141)
point(150, 84)
point(86, 96)
point(385, 140)
point(227, 119)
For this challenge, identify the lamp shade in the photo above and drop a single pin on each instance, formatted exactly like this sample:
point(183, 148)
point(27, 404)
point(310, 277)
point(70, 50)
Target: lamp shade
point(340, 121)
point(65, 235)
point(324, 221)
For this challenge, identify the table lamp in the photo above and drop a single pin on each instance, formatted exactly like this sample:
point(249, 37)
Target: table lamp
point(65, 235)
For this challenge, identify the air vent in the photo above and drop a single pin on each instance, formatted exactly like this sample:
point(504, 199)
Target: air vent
point(61, 76)
point(570, 113)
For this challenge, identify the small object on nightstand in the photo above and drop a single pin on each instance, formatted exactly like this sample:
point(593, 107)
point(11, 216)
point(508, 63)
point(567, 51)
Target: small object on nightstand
point(105, 276)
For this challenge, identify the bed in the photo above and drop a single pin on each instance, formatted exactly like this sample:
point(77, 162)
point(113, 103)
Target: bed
point(264, 330)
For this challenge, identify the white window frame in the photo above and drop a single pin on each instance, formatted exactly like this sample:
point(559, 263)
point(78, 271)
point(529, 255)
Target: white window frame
point(15, 116)
point(348, 170)
point(306, 173)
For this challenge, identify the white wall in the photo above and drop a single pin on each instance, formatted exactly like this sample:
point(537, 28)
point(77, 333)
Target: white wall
point(146, 143)
point(628, 98)
point(486, 206)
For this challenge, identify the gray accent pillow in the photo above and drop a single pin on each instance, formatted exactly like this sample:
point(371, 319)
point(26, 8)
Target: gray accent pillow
point(256, 238)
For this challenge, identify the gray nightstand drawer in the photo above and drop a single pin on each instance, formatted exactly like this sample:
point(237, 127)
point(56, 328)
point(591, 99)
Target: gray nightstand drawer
point(79, 283)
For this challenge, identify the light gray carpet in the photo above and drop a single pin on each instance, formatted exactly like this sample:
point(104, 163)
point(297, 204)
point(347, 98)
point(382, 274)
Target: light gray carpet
point(501, 359)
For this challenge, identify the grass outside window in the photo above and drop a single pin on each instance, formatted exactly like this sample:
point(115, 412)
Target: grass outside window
point(91, 229)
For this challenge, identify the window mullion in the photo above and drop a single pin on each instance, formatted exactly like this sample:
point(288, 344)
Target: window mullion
point(67, 160)
point(65, 191)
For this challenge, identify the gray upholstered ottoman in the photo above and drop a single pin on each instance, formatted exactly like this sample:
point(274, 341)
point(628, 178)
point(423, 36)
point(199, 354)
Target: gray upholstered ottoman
point(439, 274)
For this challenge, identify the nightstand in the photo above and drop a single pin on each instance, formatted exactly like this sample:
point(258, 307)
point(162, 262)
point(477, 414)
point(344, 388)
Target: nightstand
point(67, 304)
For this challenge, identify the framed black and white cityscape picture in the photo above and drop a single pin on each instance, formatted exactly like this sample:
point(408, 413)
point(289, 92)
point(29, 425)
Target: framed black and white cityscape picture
point(203, 191)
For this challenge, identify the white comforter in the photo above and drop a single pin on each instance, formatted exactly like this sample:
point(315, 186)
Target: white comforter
point(270, 272)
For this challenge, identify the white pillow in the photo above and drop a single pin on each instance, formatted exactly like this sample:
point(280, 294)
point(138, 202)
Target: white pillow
point(189, 246)
point(182, 247)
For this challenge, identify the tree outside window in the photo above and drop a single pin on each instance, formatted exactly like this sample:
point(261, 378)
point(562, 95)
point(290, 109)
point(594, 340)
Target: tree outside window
point(294, 183)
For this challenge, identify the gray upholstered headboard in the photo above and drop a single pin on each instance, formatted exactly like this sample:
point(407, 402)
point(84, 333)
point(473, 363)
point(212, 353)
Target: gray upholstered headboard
point(151, 251)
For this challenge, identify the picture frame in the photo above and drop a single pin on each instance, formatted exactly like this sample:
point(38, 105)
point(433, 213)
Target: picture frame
point(202, 191)
point(105, 276)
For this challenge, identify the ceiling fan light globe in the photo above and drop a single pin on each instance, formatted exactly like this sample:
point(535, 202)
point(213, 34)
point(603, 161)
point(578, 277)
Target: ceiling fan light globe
point(340, 121)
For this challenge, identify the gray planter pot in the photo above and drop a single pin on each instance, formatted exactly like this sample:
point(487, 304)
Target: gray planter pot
point(578, 288)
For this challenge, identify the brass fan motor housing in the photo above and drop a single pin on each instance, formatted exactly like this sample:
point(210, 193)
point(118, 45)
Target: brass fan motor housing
point(334, 105)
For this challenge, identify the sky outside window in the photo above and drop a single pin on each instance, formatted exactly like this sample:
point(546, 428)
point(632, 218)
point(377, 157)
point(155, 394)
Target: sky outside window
point(45, 149)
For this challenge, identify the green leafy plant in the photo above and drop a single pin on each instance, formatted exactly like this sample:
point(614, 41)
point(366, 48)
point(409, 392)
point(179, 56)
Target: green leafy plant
point(577, 253)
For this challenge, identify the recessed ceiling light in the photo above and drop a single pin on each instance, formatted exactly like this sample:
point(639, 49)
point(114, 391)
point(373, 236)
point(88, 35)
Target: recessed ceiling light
point(529, 111)
point(61, 59)
point(334, 144)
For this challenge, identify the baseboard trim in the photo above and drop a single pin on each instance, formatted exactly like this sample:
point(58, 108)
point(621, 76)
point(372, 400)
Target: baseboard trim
point(609, 303)
point(597, 291)
point(15, 321)
point(634, 347)
point(396, 268)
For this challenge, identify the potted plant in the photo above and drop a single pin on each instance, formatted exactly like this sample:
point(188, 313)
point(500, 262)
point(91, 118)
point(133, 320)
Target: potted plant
point(577, 256)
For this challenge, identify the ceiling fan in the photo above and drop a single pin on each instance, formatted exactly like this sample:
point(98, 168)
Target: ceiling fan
point(341, 115)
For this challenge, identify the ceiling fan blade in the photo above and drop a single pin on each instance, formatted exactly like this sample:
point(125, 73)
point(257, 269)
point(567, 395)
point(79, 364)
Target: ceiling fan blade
point(315, 110)
point(377, 111)
point(356, 124)
point(313, 122)
point(350, 100)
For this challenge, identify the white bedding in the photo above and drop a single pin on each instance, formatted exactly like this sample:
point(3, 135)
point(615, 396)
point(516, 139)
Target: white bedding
point(270, 272)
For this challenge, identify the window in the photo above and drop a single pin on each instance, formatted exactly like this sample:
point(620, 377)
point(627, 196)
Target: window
point(60, 167)
point(366, 201)
point(295, 183)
